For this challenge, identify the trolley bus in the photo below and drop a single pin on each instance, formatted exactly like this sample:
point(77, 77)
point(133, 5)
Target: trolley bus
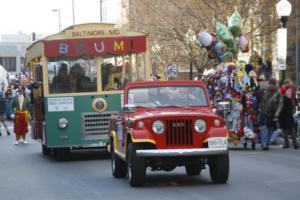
point(78, 79)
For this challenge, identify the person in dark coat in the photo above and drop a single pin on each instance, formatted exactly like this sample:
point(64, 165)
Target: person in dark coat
point(285, 115)
point(268, 104)
point(79, 81)
point(3, 112)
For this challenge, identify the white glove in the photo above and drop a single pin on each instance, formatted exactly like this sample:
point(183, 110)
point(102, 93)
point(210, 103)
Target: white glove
point(12, 116)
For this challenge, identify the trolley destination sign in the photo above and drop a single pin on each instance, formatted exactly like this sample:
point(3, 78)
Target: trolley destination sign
point(94, 33)
point(61, 104)
point(94, 46)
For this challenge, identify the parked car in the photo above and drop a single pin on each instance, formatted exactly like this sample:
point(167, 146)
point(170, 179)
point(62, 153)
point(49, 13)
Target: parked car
point(166, 124)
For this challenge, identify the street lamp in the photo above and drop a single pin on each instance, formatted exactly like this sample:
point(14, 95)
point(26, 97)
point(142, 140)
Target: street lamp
point(59, 24)
point(191, 37)
point(73, 12)
point(101, 3)
point(283, 9)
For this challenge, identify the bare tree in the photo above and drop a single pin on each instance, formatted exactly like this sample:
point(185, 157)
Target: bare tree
point(167, 22)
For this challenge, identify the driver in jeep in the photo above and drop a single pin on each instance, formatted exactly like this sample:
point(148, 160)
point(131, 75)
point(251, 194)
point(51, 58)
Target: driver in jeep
point(158, 97)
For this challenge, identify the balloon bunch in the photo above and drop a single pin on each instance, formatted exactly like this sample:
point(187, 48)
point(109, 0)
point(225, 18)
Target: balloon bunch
point(225, 43)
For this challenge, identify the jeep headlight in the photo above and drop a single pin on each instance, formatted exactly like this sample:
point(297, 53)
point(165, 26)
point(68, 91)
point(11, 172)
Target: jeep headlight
point(217, 122)
point(158, 127)
point(63, 123)
point(200, 126)
point(141, 124)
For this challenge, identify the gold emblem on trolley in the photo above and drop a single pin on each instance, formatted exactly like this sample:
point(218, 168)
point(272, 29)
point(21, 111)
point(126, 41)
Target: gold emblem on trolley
point(99, 105)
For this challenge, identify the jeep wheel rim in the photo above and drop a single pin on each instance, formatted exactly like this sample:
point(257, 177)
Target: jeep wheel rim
point(129, 171)
point(113, 163)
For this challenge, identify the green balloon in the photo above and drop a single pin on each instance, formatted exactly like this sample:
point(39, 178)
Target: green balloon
point(224, 34)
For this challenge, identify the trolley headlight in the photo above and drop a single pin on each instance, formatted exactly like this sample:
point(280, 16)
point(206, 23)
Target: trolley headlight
point(200, 126)
point(63, 123)
point(158, 127)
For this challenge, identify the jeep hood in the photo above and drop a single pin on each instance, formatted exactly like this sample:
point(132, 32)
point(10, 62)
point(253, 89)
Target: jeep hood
point(171, 113)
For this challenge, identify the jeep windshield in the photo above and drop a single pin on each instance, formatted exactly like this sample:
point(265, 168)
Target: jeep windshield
point(167, 96)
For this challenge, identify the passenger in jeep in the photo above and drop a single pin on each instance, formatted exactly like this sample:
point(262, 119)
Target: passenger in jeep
point(158, 97)
point(184, 96)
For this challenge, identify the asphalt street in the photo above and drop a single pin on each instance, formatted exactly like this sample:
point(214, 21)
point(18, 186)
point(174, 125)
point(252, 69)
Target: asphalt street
point(25, 174)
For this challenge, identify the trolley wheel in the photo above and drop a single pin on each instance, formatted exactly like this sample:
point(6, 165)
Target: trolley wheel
point(61, 153)
point(45, 150)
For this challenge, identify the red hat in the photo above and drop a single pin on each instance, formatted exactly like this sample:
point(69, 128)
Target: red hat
point(282, 90)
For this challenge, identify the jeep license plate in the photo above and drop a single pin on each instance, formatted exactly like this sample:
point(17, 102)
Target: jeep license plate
point(217, 142)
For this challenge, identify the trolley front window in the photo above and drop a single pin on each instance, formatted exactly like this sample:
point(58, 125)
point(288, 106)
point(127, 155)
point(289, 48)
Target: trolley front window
point(72, 76)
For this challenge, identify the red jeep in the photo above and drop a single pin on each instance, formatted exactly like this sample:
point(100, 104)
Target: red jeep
point(166, 124)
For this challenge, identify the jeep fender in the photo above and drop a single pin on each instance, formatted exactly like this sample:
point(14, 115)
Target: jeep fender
point(139, 137)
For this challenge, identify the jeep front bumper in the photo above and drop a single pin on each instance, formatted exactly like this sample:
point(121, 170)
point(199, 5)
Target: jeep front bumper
point(180, 152)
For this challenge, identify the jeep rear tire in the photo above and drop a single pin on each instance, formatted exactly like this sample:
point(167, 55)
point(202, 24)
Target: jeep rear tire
point(136, 168)
point(219, 168)
point(193, 170)
point(118, 166)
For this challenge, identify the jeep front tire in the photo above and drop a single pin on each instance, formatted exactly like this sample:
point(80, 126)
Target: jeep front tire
point(118, 166)
point(219, 168)
point(136, 168)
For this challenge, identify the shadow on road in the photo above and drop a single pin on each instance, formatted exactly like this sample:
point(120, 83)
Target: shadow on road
point(178, 179)
point(80, 155)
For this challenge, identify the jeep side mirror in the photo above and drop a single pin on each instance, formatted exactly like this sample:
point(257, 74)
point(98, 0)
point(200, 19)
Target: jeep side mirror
point(215, 111)
point(129, 108)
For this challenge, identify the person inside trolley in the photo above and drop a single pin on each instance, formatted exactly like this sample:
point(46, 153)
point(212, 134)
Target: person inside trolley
point(61, 82)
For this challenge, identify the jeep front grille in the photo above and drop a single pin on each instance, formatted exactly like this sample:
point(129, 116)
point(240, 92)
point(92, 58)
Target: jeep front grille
point(95, 125)
point(179, 132)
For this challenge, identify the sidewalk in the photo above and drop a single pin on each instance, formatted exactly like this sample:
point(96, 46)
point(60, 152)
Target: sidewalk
point(279, 144)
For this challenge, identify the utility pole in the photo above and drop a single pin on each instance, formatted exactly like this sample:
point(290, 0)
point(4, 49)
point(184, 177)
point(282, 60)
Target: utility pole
point(73, 12)
point(297, 46)
point(101, 19)
point(59, 22)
